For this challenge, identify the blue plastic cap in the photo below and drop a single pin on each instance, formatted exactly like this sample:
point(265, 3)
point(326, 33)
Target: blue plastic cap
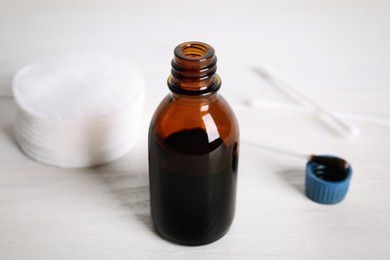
point(326, 185)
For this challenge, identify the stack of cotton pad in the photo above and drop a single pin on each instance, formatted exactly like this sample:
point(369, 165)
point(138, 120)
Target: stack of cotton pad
point(78, 110)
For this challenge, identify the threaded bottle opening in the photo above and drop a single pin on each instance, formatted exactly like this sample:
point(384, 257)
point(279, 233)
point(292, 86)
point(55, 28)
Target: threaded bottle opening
point(194, 68)
point(194, 50)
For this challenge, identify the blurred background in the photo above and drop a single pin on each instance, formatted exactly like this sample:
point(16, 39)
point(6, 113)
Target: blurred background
point(318, 45)
point(337, 52)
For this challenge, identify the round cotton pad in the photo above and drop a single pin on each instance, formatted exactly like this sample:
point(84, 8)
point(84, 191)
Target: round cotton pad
point(78, 110)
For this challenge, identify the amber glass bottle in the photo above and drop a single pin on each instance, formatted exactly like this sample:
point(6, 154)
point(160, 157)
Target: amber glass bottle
point(193, 152)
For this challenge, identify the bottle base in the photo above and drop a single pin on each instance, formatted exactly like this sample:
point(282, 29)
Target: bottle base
point(189, 242)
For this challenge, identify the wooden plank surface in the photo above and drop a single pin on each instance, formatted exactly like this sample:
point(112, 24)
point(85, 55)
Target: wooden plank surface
point(103, 212)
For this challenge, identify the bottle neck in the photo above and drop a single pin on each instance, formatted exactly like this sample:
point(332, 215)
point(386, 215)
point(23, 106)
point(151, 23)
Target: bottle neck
point(194, 69)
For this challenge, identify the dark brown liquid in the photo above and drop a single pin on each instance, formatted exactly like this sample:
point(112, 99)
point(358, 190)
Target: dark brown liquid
point(192, 187)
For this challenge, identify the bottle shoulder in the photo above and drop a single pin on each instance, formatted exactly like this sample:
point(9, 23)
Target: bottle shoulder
point(213, 114)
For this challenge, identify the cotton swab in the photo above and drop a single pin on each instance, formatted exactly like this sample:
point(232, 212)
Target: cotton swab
point(343, 126)
point(336, 163)
point(280, 106)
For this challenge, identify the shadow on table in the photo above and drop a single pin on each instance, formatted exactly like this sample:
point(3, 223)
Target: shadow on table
point(130, 186)
point(294, 177)
point(9, 132)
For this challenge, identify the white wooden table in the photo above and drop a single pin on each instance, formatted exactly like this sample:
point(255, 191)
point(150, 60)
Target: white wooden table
point(338, 54)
